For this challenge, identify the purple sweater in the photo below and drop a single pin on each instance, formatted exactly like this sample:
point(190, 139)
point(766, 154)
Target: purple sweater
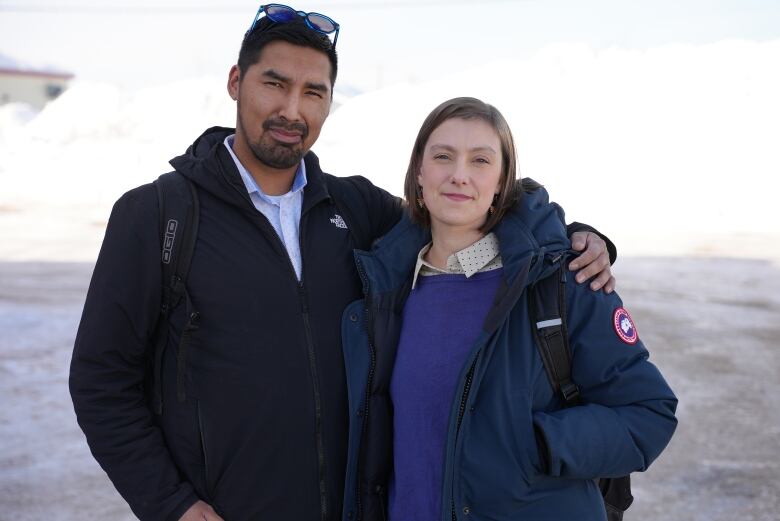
point(442, 319)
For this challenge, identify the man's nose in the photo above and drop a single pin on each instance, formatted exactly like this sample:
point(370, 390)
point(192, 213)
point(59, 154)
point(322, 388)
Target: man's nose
point(290, 109)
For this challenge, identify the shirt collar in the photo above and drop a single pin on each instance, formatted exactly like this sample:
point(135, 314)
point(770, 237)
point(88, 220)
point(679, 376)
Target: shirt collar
point(468, 261)
point(299, 182)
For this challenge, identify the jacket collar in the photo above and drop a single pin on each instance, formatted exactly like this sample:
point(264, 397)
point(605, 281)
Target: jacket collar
point(392, 258)
point(529, 232)
point(208, 164)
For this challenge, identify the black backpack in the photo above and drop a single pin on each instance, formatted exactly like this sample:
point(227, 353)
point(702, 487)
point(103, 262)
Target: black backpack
point(179, 217)
point(547, 304)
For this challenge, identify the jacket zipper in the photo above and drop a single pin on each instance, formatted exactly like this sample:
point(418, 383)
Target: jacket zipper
point(371, 370)
point(313, 370)
point(310, 349)
point(312, 364)
point(317, 405)
point(462, 408)
point(461, 411)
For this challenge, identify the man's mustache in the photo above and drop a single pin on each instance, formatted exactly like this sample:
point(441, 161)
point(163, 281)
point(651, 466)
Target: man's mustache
point(281, 124)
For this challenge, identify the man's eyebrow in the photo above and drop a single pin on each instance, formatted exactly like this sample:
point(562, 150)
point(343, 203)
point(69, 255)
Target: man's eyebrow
point(275, 76)
point(319, 87)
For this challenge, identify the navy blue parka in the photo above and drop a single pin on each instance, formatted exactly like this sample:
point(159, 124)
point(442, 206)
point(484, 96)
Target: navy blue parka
point(513, 452)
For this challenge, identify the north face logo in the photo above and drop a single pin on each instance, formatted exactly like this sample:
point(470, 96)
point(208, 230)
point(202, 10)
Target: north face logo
point(338, 221)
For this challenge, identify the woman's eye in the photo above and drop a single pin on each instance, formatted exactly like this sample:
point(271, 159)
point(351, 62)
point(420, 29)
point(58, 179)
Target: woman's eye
point(482, 160)
point(441, 156)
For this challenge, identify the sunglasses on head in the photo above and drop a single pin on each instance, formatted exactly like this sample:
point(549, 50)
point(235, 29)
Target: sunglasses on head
point(283, 14)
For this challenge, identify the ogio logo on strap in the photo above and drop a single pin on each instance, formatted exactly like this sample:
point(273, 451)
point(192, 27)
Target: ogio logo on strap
point(170, 235)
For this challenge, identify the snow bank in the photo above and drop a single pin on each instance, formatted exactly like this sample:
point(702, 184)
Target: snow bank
point(681, 138)
point(668, 150)
point(96, 141)
point(14, 116)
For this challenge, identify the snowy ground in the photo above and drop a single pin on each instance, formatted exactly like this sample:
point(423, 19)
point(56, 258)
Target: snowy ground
point(712, 326)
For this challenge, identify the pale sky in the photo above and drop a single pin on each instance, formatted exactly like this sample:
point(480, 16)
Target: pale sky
point(145, 43)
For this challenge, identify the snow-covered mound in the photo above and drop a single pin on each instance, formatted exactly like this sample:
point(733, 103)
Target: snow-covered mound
point(96, 141)
point(668, 150)
point(14, 116)
point(676, 139)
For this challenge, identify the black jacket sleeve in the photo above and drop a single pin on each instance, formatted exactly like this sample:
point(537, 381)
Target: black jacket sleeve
point(580, 227)
point(109, 363)
point(375, 210)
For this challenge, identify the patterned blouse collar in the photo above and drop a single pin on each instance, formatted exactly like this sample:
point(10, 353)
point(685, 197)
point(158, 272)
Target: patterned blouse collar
point(481, 256)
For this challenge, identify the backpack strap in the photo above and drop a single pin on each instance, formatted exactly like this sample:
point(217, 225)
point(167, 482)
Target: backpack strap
point(179, 217)
point(548, 322)
point(547, 304)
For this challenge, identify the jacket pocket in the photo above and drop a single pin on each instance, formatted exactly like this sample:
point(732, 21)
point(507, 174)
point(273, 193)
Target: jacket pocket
point(208, 486)
point(525, 435)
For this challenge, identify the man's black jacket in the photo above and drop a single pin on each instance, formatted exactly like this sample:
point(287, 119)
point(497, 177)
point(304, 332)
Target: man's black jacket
point(262, 433)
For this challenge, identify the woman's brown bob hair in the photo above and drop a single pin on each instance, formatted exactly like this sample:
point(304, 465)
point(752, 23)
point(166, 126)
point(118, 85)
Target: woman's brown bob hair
point(465, 108)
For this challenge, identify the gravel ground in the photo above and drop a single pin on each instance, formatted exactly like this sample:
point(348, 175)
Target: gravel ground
point(712, 325)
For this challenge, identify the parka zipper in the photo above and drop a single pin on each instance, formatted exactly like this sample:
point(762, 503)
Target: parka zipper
point(369, 381)
point(461, 411)
point(464, 400)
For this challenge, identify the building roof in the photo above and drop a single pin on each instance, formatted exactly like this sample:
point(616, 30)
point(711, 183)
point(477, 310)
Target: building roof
point(11, 67)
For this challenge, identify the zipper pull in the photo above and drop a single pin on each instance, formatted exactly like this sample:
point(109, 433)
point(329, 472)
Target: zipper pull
point(302, 297)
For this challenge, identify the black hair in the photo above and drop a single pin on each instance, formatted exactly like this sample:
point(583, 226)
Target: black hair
point(295, 32)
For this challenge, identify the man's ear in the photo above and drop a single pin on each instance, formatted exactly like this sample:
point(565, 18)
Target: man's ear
point(234, 80)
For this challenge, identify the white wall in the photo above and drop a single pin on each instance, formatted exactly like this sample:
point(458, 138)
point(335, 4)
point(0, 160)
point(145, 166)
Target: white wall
point(32, 89)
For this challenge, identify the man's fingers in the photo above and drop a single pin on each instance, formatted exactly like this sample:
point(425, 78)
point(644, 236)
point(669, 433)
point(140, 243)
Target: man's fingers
point(593, 263)
point(578, 240)
point(587, 257)
point(599, 265)
point(210, 515)
point(200, 511)
point(594, 248)
point(609, 287)
point(601, 280)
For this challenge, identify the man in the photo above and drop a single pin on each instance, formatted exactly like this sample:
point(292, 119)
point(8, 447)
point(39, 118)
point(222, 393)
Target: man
point(254, 423)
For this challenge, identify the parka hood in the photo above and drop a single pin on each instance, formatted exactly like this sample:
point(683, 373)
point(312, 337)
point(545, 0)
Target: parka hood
point(533, 228)
point(205, 165)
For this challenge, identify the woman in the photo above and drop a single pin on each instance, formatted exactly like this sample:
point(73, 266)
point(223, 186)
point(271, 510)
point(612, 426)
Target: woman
point(453, 414)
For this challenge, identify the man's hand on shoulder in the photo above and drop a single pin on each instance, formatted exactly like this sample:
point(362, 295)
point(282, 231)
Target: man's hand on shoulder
point(593, 262)
point(200, 511)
